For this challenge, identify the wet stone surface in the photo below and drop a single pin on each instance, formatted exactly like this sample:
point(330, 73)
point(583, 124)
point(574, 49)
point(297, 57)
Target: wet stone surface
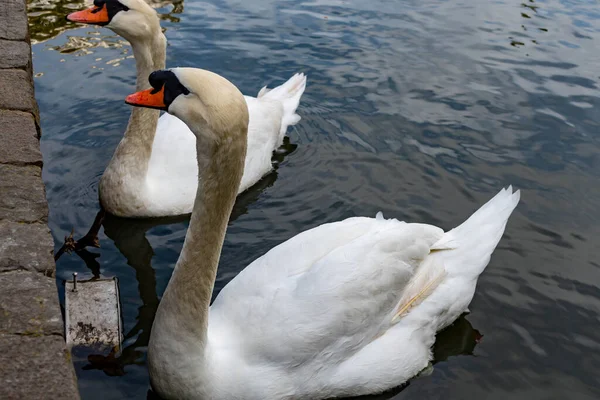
point(34, 361)
point(19, 143)
point(15, 54)
point(13, 20)
point(26, 247)
point(28, 304)
point(16, 90)
point(22, 195)
point(36, 367)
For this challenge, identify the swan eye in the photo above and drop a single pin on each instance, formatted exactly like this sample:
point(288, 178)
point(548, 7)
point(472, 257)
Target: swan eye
point(168, 80)
point(112, 7)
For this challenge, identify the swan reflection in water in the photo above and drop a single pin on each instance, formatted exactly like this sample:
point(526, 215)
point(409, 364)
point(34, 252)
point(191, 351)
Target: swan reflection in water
point(47, 20)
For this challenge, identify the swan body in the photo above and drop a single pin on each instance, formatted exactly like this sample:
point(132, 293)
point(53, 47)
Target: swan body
point(153, 172)
point(344, 309)
point(169, 187)
point(314, 317)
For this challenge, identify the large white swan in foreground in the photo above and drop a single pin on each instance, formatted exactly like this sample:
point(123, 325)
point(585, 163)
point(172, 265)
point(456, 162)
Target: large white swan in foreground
point(153, 171)
point(347, 308)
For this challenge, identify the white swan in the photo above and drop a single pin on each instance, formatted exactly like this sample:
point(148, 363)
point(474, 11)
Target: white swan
point(347, 308)
point(153, 171)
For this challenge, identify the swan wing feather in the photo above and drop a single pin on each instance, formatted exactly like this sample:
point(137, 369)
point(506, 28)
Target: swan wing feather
point(327, 291)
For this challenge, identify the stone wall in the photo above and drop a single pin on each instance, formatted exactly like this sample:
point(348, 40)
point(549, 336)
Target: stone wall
point(34, 362)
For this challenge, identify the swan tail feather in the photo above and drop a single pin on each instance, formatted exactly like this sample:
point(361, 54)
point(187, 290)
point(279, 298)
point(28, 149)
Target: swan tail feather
point(289, 95)
point(467, 249)
point(464, 250)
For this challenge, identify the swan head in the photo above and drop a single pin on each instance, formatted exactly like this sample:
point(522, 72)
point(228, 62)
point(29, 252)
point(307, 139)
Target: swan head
point(132, 19)
point(212, 107)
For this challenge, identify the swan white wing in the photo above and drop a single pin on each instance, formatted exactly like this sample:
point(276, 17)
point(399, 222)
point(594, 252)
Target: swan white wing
point(171, 180)
point(263, 137)
point(271, 112)
point(172, 170)
point(324, 294)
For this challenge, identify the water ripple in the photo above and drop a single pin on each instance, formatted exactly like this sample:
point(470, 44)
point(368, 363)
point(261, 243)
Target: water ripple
point(422, 110)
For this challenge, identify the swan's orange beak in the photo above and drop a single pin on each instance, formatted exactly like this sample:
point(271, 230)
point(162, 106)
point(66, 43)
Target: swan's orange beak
point(150, 98)
point(93, 15)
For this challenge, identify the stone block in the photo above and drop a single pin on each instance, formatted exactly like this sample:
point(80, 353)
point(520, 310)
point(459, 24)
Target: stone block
point(36, 368)
point(13, 20)
point(16, 90)
point(19, 143)
point(29, 305)
point(26, 247)
point(22, 194)
point(14, 54)
point(34, 361)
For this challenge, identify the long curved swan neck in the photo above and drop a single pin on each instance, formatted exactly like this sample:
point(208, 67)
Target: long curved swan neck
point(134, 150)
point(217, 114)
point(187, 297)
point(150, 55)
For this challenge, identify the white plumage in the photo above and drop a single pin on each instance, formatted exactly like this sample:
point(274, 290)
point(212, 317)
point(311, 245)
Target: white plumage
point(154, 171)
point(314, 317)
point(172, 179)
point(344, 309)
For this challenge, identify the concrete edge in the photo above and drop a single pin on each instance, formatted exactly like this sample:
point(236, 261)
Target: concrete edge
point(34, 359)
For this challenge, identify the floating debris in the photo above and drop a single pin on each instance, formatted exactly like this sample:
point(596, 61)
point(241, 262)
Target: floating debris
point(93, 313)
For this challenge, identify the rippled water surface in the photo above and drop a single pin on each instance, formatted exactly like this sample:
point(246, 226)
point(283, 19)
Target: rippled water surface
point(421, 109)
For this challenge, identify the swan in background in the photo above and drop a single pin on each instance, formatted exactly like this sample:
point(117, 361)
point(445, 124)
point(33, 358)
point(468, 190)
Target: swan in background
point(153, 172)
point(343, 309)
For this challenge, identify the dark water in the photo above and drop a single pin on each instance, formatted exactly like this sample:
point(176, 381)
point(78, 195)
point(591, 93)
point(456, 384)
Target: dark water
point(421, 109)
